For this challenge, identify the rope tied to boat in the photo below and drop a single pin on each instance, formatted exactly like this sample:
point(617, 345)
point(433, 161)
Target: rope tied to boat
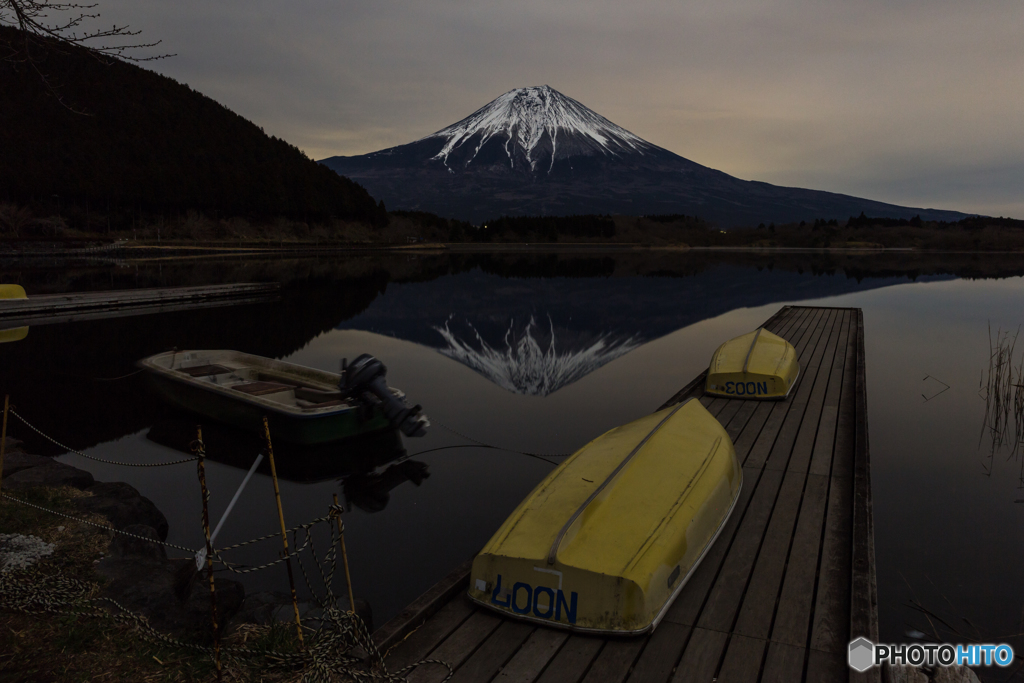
point(541, 456)
point(93, 457)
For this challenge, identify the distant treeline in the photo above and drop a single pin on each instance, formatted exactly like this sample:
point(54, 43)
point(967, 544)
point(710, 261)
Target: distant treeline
point(671, 218)
point(113, 140)
point(971, 222)
point(543, 228)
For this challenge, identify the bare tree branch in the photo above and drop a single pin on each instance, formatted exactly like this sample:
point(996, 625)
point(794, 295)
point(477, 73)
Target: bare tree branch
point(48, 25)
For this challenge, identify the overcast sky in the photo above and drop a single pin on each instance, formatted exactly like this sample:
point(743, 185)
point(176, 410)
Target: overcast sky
point(917, 102)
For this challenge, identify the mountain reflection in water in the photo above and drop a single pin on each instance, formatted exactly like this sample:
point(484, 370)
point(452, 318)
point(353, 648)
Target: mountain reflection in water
point(534, 336)
point(533, 364)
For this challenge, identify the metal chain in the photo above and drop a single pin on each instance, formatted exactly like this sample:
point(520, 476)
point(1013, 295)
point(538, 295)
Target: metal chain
point(293, 553)
point(190, 551)
point(92, 457)
point(30, 592)
point(105, 527)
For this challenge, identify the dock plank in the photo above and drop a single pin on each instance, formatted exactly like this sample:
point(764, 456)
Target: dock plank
point(743, 658)
point(612, 665)
point(660, 654)
point(778, 595)
point(457, 647)
point(724, 599)
point(430, 634)
point(687, 607)
point(782, 448)
point(784, 663)
point(758, 443)
point(499, 648)
point(533, 656)
point(830, 630)
point(702, 656)
point(828, 427)
point(793, 614)
point(759, 599)
point(573, 660)
point(803, 446)
point(827, 667)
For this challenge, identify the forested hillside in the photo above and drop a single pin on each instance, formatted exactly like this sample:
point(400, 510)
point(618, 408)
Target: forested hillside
point(77, 132)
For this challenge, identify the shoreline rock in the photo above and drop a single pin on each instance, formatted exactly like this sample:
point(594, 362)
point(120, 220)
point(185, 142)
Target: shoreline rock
point(170, 592)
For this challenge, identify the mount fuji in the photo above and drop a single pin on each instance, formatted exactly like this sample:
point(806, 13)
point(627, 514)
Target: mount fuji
point(535, 151)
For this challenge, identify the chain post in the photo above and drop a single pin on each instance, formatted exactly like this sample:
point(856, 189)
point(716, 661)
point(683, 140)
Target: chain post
point(284, 530)
point(344, 557)
point(200, 450)
point(3, 438)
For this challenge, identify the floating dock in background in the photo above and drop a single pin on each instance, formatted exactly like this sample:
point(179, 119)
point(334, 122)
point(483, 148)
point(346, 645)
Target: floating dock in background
point(60, 308)
point(778, 598)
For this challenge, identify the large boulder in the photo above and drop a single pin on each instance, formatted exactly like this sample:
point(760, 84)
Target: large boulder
point(18, 461)
point(123, 505)
point(197, 617)
point(136, 546)
point(52, 473)
point(146, 586)
point(12, 445)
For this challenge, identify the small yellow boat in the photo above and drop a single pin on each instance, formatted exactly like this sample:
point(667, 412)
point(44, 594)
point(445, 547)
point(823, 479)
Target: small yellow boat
point(12, 292)
point(608, 540)
point(758, 365)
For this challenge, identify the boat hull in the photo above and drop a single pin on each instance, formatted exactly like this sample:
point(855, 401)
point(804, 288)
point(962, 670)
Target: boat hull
point(758, 365)
point(609, 539)
point(311, 427)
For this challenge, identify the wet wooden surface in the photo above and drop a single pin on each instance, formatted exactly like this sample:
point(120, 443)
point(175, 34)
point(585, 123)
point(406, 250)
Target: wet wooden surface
point(777, 596)
point(60, 308)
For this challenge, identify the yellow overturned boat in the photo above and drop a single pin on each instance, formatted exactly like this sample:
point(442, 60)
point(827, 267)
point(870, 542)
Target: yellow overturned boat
point(17, 333)
point(757, 365)
point(607, 541)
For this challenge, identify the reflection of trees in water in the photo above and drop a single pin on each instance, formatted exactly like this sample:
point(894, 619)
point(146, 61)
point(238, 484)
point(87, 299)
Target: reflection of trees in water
point(1002, 387)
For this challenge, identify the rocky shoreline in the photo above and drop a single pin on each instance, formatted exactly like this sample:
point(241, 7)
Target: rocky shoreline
point(137, 573)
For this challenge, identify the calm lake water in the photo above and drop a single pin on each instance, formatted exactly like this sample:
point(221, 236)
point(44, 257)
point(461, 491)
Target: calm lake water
point(539, 354)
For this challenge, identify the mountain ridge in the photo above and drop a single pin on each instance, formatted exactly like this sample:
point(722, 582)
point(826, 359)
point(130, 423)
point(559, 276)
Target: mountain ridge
point(535, 151)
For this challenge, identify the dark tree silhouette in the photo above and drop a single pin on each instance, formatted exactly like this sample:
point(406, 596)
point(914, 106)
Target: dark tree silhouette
point(44, 24)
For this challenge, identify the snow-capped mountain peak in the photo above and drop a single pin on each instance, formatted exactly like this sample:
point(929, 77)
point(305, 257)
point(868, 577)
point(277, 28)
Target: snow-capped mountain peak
point(534, 123)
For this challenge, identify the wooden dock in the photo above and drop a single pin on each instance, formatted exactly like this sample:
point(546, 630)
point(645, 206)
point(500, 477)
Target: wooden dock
point(61, 308)
point(779, 595)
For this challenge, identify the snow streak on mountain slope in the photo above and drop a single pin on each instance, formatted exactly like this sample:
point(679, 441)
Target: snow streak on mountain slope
point(538, 119)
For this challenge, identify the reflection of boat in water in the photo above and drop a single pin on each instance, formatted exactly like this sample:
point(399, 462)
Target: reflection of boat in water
point(304, 405)
point(371, 491)
point(13, 334)
point(607, 541)
point(369, 466)
point(758, 364)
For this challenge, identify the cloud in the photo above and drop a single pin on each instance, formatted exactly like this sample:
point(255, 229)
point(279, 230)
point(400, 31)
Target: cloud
point(839, 96)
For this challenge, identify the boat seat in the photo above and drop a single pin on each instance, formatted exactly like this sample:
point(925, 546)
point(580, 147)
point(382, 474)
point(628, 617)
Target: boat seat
point(204, 370)
point(317, 395)
point(311, 405)
point(262, 388)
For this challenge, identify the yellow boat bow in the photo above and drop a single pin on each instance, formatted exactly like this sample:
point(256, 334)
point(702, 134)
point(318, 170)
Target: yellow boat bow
point(758, 365)
point(606, 542)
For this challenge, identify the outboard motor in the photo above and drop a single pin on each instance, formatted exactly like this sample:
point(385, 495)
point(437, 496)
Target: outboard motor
point(364, 379)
